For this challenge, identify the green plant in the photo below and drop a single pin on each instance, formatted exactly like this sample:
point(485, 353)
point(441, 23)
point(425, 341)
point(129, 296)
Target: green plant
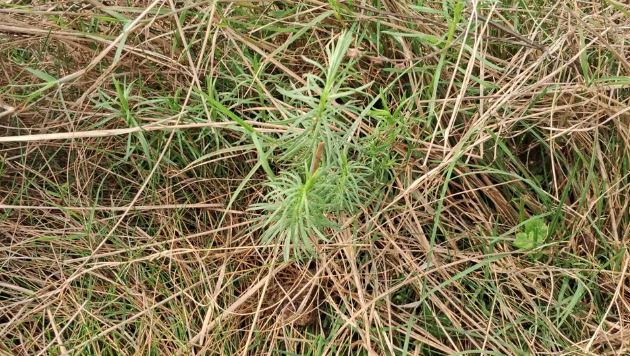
point(296, 207)
point(534, 233)
point(300, 207)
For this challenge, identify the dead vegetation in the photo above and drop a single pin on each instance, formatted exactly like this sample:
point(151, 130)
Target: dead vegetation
point(137, 137)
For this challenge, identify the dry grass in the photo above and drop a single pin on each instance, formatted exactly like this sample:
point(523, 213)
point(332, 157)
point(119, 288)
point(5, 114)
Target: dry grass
point(135, 138)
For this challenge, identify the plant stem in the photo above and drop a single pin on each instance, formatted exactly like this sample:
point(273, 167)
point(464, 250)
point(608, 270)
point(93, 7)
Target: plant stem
point(317, 158)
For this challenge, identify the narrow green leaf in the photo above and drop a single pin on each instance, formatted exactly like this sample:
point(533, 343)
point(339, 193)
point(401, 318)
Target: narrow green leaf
point(41, 75)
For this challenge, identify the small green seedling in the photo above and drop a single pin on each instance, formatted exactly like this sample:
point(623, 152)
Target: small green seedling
point(535, 232)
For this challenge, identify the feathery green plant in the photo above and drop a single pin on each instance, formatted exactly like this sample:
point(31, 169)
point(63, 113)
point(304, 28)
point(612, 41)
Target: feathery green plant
point(321, 102)
point(301, 206)
point(296, 210)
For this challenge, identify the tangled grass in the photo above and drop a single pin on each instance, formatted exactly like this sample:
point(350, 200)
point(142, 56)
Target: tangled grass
point(314, 177)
